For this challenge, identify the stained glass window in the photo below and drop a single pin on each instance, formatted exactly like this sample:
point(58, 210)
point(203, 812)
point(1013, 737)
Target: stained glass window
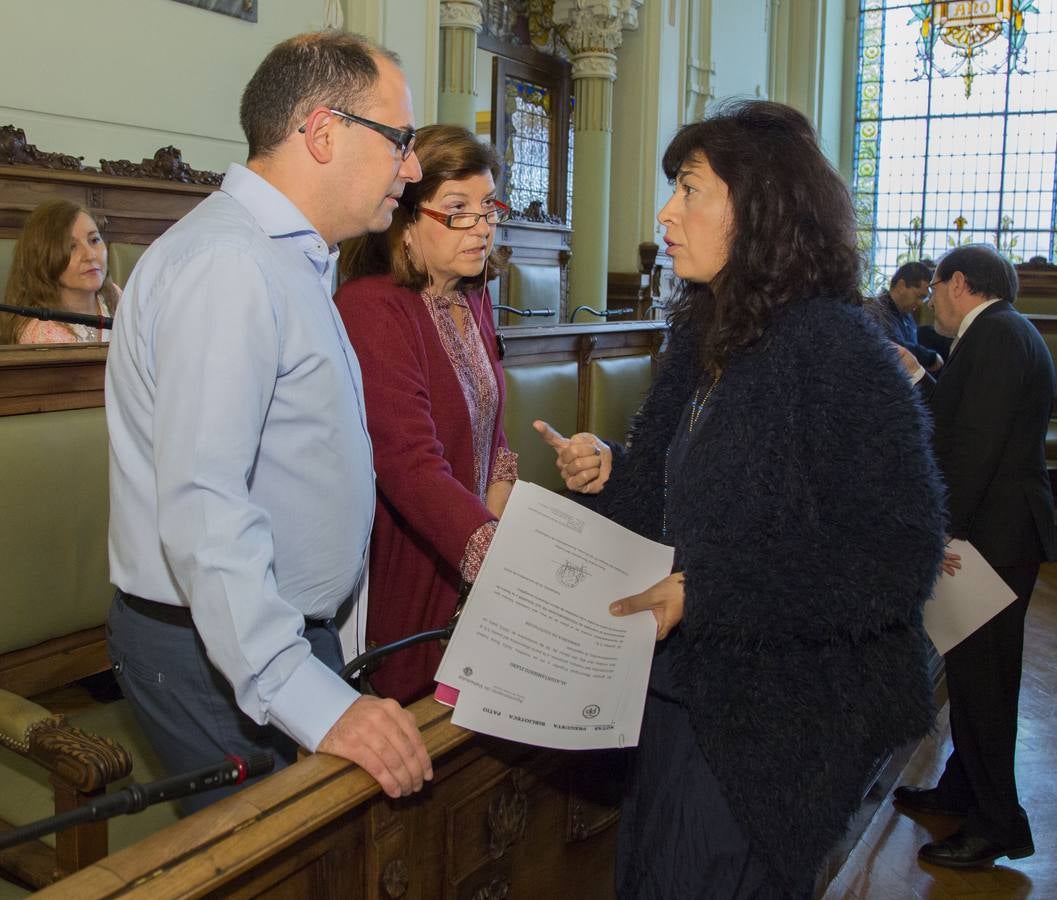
point(528, 145)
point(569, 177)
point(954, 147)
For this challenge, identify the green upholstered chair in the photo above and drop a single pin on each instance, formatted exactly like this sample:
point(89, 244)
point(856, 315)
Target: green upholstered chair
point(618, 386)
point(1043, 302)
point(539, 391)
point(122, 257)
point(534, 286)
point(9, 891)
point(7, 253)
point(53, 534)
point(53, 540)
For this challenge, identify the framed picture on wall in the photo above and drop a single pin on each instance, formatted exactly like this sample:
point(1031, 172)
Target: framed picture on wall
point(240, 9)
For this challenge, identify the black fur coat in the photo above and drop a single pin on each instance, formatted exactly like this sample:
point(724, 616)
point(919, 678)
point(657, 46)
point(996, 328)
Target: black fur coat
point(812, 534)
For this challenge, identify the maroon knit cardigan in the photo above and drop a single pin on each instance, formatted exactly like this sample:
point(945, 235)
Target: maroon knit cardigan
point(423, 458)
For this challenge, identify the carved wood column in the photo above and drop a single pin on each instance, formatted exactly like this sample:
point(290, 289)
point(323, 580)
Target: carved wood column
point(593, 31)
point(460, 23)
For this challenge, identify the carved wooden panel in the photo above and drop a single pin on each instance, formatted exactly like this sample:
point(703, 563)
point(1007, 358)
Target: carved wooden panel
point(310, 830)
point(134, 202)
point(130, 210)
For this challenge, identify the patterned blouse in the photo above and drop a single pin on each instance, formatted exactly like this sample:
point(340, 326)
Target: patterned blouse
point(39, 331)
point(477, 379)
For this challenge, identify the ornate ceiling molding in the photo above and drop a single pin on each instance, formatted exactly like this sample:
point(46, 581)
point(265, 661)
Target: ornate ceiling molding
point(461, 14)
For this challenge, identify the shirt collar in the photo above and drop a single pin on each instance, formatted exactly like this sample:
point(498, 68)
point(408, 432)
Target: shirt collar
point(970, 317)
point(276, 214)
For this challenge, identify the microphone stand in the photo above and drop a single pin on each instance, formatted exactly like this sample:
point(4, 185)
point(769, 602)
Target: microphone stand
point(60, 315)
point(137, 797)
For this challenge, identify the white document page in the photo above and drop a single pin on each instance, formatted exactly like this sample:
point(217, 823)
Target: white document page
point(963, 602)
point(536, 656)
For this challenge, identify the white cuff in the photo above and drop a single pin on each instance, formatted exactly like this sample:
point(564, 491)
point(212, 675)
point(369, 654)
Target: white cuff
point(312, 700)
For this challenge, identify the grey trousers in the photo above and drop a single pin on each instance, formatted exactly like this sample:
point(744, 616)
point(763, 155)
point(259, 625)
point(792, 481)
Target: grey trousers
point(184, 705)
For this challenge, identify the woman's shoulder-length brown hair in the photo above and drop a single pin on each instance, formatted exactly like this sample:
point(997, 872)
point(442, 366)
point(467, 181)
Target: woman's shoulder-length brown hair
point(446, 153)
point(41, 255)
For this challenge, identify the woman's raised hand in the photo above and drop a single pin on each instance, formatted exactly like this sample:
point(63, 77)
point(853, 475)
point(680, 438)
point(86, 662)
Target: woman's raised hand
point(584, 460)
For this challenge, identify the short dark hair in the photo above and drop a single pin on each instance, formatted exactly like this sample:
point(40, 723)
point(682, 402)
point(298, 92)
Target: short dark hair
point(320, 68)
point(911, 273)
point(986, 271)
point(793, 235)
point(446, 153)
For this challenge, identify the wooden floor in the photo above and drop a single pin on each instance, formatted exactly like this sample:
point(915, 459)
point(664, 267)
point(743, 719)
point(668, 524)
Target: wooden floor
point(884, 865)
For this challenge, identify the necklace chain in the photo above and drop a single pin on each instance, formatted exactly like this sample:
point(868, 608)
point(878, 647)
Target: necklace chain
point(699, 402)
point(696, 406)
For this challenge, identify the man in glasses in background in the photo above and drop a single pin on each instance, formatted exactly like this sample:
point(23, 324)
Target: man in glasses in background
point(241, 479)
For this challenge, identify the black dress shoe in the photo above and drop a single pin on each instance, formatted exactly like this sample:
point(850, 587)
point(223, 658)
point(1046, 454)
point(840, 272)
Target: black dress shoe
point(970, 851)
point(926, 800)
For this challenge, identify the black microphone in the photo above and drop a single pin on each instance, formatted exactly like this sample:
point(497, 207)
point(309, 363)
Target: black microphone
point(60, 315)
point(137, 797)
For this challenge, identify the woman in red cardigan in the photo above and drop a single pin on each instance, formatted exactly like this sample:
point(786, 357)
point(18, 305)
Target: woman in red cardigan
point(420, 319)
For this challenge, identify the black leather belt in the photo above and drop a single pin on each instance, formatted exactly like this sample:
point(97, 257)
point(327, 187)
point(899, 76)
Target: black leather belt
point(181, 615)
point(159, 612)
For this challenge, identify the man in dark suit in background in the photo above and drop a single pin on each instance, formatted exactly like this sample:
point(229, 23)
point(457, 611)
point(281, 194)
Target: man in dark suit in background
point(991, 406)
point(894, 311)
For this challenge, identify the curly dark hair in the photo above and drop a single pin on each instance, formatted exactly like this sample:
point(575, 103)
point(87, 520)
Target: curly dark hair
point(793, 231)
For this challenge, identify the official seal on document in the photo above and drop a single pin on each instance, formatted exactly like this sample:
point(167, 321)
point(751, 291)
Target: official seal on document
point(570, 574)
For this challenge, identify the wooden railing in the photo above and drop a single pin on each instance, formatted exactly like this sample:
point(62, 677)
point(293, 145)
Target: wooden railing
point(498, 821)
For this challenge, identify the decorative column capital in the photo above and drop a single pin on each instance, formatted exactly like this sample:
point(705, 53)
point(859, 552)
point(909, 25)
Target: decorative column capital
point(461, 14)
point(595, 26)
point(594, 65)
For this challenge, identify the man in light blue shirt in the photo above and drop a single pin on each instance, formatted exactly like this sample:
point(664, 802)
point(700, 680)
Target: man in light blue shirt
point(241, 475)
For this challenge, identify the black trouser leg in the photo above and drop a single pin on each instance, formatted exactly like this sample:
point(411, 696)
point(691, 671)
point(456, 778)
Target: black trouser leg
point(983, 679)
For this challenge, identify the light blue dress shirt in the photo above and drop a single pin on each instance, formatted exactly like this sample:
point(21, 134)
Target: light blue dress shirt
point(241, 475)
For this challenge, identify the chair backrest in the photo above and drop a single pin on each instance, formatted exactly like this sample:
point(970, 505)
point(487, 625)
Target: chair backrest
point(53, 532)
point(539, 391)
point(1036, 302)
point(535, 287)
point(7, 253)
point(618, 386)
point(122, 258)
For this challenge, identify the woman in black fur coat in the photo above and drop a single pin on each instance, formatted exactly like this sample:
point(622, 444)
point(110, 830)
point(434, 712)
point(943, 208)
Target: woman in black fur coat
point(784, 455)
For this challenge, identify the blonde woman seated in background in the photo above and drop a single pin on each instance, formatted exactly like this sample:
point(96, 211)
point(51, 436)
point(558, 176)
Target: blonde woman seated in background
point(60, 263)
point(420, 319)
